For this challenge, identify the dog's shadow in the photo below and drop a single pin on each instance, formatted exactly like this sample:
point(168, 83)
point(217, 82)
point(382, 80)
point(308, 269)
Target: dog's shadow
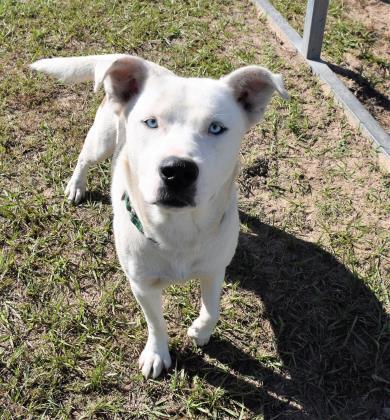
point(332, 334)
point(97, 196)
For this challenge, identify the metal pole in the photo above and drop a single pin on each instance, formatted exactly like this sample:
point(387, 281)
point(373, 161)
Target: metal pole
point(314, 28)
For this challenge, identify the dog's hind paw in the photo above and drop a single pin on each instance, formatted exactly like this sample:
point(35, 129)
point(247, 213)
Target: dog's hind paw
point(75, 190)
point(152, 362)
point(200, 335)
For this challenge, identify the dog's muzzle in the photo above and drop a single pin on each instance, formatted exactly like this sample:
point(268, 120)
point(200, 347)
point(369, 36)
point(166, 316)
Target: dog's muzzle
point(179, 177)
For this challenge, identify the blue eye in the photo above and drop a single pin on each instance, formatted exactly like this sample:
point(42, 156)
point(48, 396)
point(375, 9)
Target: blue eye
point(216, 128)
point(151, 122)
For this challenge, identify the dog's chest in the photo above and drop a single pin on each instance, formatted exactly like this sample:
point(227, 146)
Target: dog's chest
point(178, 265)
point(183, 265)
point(148, 263)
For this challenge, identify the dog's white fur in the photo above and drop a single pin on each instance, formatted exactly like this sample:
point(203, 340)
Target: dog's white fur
point(190, 242)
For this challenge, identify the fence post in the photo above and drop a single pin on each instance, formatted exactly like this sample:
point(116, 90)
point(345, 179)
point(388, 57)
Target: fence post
point(314, 28)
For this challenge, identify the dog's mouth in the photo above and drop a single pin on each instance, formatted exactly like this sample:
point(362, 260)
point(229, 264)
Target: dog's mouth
point(174, 202)
point(169, 199)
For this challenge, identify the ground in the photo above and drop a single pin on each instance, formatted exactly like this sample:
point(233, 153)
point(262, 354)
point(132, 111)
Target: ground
point(356, 47)
point(304, 331)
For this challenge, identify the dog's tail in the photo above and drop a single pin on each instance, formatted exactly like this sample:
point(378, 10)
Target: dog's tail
point(77, 69)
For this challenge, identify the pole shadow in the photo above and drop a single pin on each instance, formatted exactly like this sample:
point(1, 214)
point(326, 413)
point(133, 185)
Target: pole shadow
point(364, 90)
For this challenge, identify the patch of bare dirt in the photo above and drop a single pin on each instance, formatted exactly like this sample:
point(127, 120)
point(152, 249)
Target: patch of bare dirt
point(361, 74)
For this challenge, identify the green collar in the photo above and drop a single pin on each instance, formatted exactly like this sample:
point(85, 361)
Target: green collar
point(133, 215)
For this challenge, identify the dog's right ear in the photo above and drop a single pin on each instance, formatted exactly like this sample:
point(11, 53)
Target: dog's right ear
point(123, 80)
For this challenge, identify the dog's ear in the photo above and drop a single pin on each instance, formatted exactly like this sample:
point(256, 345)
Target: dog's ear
point(123, 80)
point(253, 87)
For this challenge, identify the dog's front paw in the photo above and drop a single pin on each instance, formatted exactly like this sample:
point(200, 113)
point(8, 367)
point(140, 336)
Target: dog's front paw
point(152, 361)
point(75, 190)
point(200, 332)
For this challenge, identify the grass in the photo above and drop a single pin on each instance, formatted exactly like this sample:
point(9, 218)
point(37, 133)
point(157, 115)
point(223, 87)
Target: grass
point(304, 331)
point(343, 34)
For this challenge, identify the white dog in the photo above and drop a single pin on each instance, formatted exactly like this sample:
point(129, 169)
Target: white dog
point(176, 145)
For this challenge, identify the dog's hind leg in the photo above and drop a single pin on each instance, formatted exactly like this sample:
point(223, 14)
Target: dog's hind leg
point(99, 145)
point(203, 326)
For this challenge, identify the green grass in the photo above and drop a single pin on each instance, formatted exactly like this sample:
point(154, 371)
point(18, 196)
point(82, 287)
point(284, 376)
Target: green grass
point(343, 33)
point(304, 330)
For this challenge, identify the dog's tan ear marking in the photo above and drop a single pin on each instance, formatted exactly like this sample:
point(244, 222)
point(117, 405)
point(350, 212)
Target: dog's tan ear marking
point(253, 87)
point(124, 79)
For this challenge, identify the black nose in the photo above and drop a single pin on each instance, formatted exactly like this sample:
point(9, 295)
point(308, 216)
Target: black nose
point(178, 173)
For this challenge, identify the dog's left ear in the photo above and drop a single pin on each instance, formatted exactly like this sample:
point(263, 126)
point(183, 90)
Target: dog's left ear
point(253, 87)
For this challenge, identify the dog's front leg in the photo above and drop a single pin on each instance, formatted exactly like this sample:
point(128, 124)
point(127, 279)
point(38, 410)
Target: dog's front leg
point(155, 356)
point(203, 326)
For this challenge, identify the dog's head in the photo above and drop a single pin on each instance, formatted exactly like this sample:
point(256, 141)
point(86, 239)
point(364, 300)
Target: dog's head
point(183, 134)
